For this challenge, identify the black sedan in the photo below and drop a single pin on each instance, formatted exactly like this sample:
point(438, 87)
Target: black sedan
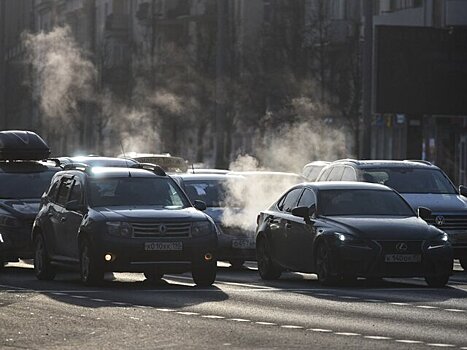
point(345, 230)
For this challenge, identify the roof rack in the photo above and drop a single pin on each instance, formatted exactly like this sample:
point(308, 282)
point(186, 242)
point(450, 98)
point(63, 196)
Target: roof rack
point(77, 166)
point(419, 161)
point(156, 169)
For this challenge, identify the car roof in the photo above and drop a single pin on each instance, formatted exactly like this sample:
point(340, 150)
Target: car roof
point(207, 171)
point(207, 177)
point(374, 163)
point(345, 185)
point(106, 172)
point(317, 163)
point(98, 161)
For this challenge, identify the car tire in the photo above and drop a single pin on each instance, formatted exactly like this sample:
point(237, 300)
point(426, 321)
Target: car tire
point(91, 270)
point(463, 262)
point(438, 281)
point(153, 276)
point(204, 273)
point(236, 263)
point(43, 269)
point(323, 265)
point(267, 269)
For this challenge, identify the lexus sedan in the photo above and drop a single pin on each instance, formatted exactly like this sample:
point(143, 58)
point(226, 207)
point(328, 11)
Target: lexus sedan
point(345, 230)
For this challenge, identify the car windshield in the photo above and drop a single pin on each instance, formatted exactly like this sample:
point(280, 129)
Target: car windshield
point(211, 192)
point(406, 180)
point(24, 185)
point(135, 191)
point(362, 202)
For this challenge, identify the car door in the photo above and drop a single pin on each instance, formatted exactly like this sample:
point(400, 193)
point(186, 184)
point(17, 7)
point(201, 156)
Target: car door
point(72, 220)
point(58, 217)
point(280, 227)
point(303, 233)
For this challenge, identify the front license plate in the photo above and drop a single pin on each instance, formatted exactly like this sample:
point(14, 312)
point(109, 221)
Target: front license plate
point(402, 258)
point(163, 246)
point(243, 244)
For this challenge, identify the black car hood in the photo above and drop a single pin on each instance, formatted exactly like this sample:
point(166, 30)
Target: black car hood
point(150, 213)
point(385, 228)
point(26, 208)
point(438, 203)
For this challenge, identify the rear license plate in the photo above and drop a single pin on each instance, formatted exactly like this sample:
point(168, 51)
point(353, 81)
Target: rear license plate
point(163, 246)
point(402, 258)
point(243, 244)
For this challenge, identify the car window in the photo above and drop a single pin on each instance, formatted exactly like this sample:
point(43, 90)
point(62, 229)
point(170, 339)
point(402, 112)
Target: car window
point(336, 174)
point(64, 191)
point(307, 199)
point(76, 192)
point(325, 173)
point(313, 174)
point(212, 192)
point(18, 185)
point(362, 202)
point(136, 191)
point(410, 180)
point(53, 190)
point(349, 174)
point(291, 199)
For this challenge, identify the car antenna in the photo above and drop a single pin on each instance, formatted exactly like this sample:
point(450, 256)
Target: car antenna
point(124, 157)
point(193, 168)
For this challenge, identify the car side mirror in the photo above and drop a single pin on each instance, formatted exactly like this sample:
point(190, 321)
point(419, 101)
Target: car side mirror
point(463, 190)
point(200, 205)
point(304, 212)
point(74, 206)
point(424, 213)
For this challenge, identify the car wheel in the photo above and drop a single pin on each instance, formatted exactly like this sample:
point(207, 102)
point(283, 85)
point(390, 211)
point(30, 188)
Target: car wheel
point(42, 267)
point(90, 269)
point(267, 269)
point(236, 263)
point(439, 281)
point(204, 273)
point(154, 275)
point(323, 265)
point(463, 262)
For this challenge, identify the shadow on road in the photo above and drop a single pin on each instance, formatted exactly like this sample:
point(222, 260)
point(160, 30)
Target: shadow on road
point(137, 292)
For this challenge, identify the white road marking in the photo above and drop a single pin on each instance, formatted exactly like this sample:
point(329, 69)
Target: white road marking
point(238, 320)
point(120, 303)
point(377, 337)
point(348, 297)
point(320, 330)
point(266, 323)
point(408, 341)
point(165, 310)
point(99, 300)
point(454, 310)
point(187, 313)
point(349, 334)
point(289, 326)
point(439, 345)
point(213, 316)
point(78, 296)
point(399, 304)
point(426, 307)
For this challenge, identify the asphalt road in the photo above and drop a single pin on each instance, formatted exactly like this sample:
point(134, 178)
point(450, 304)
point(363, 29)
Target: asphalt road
point(239, 311)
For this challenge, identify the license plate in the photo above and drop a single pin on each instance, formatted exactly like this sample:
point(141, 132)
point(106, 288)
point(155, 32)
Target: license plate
point(163, 246)
point(243, 244)
point(402, 258)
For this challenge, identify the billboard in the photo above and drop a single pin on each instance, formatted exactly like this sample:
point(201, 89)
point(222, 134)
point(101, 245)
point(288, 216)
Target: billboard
point(421, 70)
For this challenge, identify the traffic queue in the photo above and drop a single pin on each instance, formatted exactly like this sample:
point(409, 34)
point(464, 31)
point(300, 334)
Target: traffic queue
point(129, 214)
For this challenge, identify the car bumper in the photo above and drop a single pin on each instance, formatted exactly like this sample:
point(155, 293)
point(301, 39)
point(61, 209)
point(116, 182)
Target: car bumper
point(130, 255)
point(236, 247)
point(15, 244)
point(370, 262)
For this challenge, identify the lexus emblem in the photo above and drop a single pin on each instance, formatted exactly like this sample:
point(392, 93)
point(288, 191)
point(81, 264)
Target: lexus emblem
point(162, 229)
point(439, 220)
point(401, 246)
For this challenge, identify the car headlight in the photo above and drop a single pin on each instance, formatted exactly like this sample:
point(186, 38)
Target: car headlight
point(346, 238)
point(201, 228)
point(440, 241)
point(6, 220)
point(120, 229)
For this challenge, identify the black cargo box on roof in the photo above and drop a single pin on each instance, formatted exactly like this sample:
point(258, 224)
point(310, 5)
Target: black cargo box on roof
point(22, 145)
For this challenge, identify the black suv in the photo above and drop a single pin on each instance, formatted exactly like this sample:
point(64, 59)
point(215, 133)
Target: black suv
point(422, 184)
point(24, 176)
point(122, 220)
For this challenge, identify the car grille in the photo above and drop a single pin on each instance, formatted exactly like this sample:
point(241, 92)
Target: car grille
point(161, 229)
point(451, 222)
point(390, 247)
